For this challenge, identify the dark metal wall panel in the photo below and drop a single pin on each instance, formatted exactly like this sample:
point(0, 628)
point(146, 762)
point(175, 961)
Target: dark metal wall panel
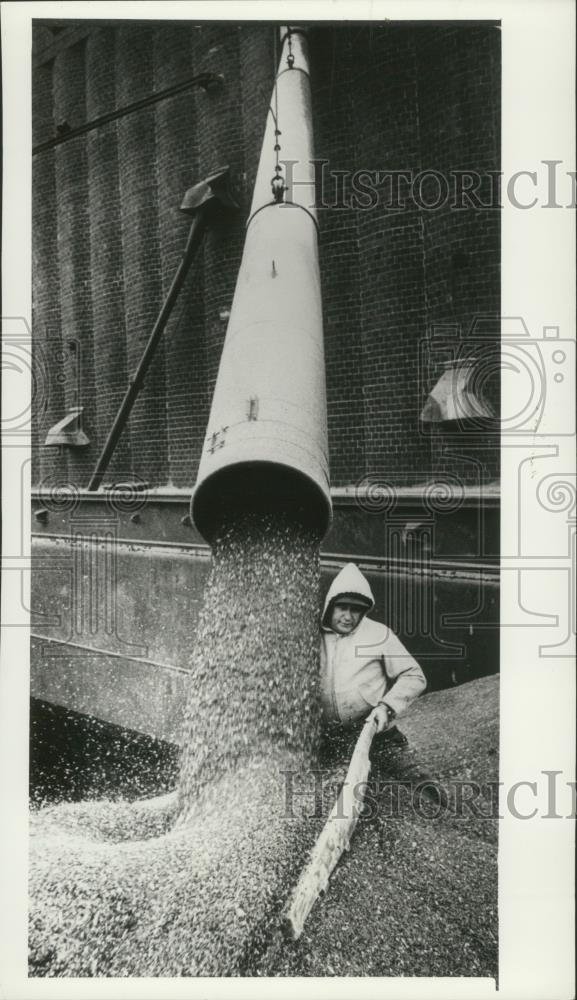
point(111, 605)
point(134, 695)
point(448, 622)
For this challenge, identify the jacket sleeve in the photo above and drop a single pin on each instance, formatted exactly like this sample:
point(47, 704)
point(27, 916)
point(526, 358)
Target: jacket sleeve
point(406, 679)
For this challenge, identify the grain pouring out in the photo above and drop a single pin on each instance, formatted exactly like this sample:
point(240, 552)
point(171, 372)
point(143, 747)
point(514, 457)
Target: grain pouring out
point(187, 884)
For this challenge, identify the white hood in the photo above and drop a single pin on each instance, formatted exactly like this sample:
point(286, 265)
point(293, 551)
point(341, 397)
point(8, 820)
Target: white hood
point(349, 581)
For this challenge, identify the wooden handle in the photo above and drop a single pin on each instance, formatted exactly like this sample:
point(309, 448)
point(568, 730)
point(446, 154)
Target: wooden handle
point(333, 840)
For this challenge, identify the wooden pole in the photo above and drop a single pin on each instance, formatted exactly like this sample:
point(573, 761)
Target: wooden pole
point(335, 836)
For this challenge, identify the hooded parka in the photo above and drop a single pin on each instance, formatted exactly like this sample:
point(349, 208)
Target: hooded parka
point(366, 666)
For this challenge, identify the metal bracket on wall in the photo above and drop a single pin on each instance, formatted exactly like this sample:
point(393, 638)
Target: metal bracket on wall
point(68, 431)
point(454, 396)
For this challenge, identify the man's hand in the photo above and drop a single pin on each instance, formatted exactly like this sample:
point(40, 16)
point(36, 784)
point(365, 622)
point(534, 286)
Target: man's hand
point(380, 718)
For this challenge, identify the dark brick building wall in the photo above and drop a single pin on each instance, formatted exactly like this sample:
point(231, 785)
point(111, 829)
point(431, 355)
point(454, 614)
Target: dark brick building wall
point(108, 234)
point(73, 248)
point(104, 210)
point(458, 74)
point(49, 394)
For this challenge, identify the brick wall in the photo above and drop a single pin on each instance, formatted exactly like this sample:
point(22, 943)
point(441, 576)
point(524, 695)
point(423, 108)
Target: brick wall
point(176, 170)
point(332, 83)
point(108, 234)
point(104, 214)
point(458, 74)
point(49, 395)
point(393, 295)
point(141, 246)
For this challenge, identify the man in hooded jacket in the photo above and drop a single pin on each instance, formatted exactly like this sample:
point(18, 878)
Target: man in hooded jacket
point(366, 672)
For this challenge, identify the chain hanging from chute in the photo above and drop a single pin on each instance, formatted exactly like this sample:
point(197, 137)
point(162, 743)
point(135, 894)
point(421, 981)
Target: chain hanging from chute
point(277, 181)
point(290, 57)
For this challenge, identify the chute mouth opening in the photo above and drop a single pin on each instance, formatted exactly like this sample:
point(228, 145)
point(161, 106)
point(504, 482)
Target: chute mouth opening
point(259, 488)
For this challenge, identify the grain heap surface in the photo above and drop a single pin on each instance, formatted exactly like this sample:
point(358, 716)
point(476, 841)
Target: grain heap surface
point(194, 882)
point(417, 893)
point(189, 884)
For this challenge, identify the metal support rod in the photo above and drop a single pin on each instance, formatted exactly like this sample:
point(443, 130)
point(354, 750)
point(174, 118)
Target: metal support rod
point(194, 241)
point(207, 81)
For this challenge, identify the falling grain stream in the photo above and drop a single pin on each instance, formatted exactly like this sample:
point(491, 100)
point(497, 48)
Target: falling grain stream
point(185, 884)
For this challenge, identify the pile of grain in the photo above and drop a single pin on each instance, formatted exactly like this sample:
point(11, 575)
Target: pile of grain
point(192, 883)
point(189, 884)
point(114, 895)
point(416, 895)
